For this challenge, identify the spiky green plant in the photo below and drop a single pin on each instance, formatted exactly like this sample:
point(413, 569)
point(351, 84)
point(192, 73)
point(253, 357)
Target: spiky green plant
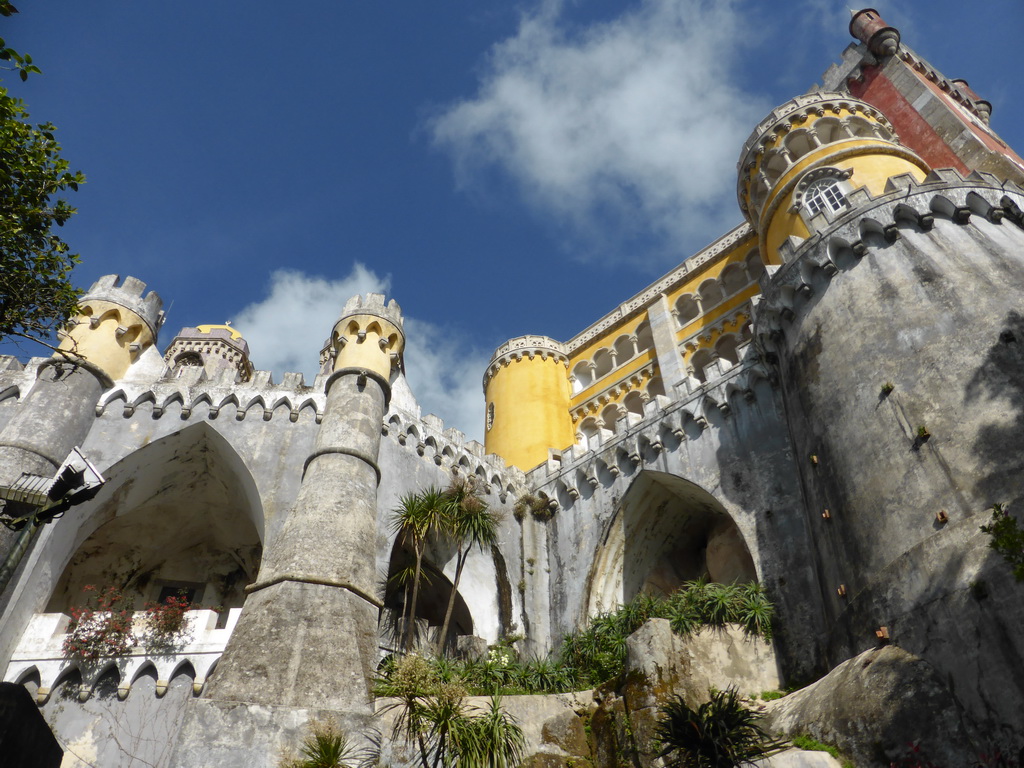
point(417, 516)
point(469, 522)
point(326, 746)
point(432, 717)
point(720, 733)
point(490, 739)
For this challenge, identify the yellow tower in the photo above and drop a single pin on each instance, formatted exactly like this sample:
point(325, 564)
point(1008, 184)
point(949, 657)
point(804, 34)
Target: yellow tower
point(115, 325)
point(369, 336)
point(806, 157)
point(526, 388)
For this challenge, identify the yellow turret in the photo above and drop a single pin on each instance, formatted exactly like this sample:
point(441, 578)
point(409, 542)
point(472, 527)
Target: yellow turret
point(114, 326)
point(368, 336)
point(526, 388)
point(807, 155)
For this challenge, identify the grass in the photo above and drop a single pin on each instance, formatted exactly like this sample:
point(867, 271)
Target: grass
point(809, 743)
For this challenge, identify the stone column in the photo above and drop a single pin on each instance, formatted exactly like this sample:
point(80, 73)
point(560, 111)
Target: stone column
point(663, 329)
point(307, 636)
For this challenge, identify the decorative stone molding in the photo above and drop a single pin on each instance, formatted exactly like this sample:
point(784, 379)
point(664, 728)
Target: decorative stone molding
point(40, 653)
point(525, 347)
point(944, 193)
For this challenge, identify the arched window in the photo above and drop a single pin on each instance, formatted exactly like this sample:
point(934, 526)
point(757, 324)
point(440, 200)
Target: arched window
point(824, 195)
point(603, 363)
point(644, 337)
point(686, 309)
point(584, 377)
point(187, 360)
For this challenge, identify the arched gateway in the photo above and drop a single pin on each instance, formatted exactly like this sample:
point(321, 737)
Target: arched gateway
point(665, 531)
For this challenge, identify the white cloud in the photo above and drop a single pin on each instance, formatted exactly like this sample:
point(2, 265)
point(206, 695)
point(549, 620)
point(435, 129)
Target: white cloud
point(287, 329)
point(621, 127)
point(446, 373)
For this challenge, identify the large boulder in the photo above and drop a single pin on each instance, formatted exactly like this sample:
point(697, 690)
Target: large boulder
point(660, 663)
point(554, 727)
point(874, 706)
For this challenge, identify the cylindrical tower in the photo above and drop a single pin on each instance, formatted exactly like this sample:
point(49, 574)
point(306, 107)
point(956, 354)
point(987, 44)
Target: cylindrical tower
point(118, 321)
point(893, 326)
point(526, 388)
point(805, 158)
point(307, 636)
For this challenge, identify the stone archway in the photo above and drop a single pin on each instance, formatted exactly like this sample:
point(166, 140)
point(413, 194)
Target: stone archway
point(180, 513)
point(665, 531)
point(431, 604)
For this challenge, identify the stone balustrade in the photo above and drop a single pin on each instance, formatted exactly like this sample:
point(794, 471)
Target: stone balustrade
point(40, 657)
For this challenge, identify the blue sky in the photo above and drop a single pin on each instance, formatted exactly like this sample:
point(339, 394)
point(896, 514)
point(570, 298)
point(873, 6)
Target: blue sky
point(498, 168)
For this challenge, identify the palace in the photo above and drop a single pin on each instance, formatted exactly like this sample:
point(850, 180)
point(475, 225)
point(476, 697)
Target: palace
point(828, 400)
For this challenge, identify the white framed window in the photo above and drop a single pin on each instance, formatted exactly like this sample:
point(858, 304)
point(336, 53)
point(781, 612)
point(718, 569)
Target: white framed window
point(822, 190)
point(824, 195)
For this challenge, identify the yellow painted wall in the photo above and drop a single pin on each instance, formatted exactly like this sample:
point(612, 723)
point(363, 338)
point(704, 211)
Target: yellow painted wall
point(531, 411)
point(871, 170)
point(101, 345)
point(367, 353)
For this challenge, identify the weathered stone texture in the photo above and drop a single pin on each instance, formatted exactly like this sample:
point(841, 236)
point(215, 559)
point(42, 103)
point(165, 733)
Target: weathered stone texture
point(876, 704)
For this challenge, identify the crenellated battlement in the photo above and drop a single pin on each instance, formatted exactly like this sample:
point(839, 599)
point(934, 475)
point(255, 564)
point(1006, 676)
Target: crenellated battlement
point(373, 304)
point(192, 388)
point(876, 221)
point(451, 449)
point(129, 293)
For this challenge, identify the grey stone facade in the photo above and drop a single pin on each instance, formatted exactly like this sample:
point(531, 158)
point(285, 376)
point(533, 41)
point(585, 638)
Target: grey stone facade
point(846, 462)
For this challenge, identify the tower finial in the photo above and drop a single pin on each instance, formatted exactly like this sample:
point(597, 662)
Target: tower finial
point(870, 28)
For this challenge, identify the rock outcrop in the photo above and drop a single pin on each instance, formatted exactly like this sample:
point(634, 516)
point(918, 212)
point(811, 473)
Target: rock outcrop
point(874, 706)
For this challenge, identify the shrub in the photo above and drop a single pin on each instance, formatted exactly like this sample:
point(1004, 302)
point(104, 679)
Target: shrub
point(102, 629)
point(326, 746)
point(433, 718)
point(721, 733)
point(1007, 538)
point(166, 627)
point(597, 653)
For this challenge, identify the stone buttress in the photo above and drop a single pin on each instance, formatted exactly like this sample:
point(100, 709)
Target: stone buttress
point(893, 323)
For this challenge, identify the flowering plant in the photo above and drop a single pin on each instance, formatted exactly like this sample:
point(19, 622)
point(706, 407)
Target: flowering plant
point(103, 626)
point(166, 626)
point(100, 630)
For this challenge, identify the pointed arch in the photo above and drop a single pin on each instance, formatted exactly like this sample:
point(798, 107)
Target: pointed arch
point(182, 508)
point(666, 530)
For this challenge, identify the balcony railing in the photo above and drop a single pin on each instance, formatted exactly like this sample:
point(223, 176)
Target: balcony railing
point(40, 653)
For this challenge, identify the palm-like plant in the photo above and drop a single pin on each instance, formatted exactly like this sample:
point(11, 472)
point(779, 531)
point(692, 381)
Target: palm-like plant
point(720, 733)
point(433, 718)
point(491, 739)
point(469, 523)
point(417, 516)
point(326, 747)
